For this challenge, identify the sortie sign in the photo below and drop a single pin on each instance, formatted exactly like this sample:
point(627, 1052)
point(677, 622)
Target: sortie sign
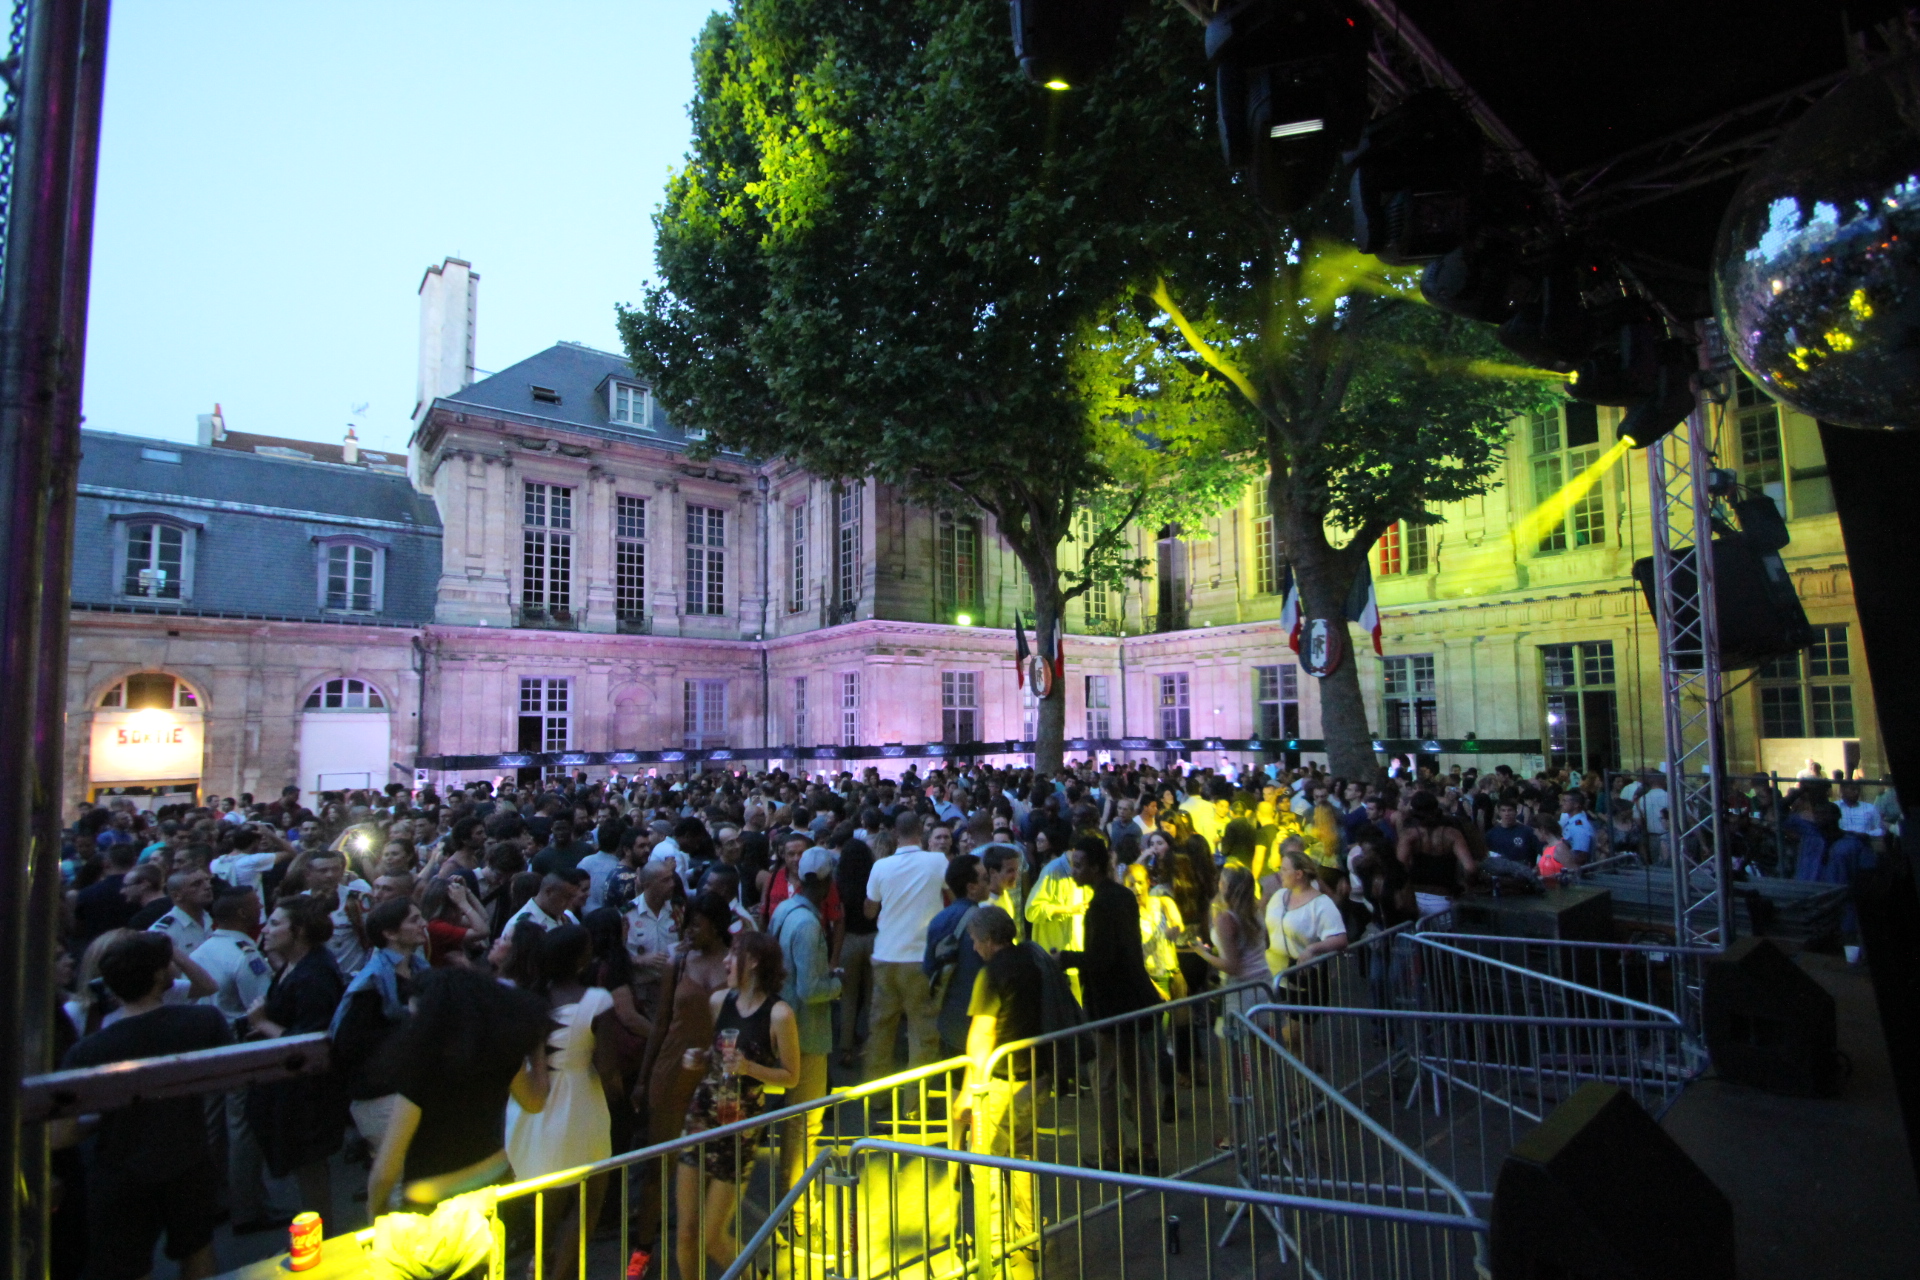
point(145, 746)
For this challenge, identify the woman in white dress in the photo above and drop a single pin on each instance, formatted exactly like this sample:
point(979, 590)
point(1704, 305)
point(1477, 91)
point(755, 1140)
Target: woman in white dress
point(573, 1129)
point(1303, 924)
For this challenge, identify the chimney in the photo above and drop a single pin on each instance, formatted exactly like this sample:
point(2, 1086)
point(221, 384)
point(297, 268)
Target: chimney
point(213, 427)
point(449, 305)
point(350, 448)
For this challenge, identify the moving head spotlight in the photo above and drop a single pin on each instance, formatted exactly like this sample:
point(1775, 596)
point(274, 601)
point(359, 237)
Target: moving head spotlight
point(1417, 180)
point(1638, 366)
point(1061, 44)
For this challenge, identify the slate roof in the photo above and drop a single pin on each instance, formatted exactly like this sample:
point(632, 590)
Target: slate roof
point(579, 374)
point(256, 520)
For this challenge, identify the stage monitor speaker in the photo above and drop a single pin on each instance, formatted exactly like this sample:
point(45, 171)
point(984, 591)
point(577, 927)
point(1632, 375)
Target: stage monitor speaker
point(1769, 1024)
point(1600, 1192)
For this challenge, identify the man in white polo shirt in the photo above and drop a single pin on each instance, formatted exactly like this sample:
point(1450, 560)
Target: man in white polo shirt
point(191, 891)
point(554, 904)
point(904, 895)
point(242, 976)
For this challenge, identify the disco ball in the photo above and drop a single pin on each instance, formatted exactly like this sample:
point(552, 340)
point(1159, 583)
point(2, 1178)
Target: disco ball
point(1816, 279)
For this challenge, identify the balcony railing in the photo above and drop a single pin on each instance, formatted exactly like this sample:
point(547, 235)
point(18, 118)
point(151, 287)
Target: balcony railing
point(542, 618)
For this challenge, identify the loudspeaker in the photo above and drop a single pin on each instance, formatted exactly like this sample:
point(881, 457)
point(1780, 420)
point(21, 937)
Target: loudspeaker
point(1599, 1191)
point(1580, 913)
point(1768, 1024)
point(1759, 613)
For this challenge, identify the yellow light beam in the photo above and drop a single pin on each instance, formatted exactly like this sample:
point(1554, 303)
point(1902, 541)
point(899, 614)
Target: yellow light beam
point(1537, 523)
point(1333, 271)
point(1201, 345)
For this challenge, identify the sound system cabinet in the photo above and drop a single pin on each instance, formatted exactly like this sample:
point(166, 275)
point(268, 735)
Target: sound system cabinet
point(1768, 1024)
point(1576, 913)
point(1599, 1191)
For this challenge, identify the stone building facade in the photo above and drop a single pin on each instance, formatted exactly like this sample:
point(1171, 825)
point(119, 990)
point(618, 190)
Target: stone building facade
point(549, 569)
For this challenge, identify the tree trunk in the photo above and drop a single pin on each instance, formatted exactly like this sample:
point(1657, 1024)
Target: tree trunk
point(1325, 577)
point(1042, 564)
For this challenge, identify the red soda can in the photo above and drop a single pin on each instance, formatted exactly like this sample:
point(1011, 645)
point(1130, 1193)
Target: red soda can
point(304, 1247)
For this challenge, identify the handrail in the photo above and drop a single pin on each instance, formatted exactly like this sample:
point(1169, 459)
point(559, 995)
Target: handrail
point(1429, 941)
point(1167, 1006)
point(1367, 1122)
point(1650, 948)
point(1464, 1221)
point(60, 1095)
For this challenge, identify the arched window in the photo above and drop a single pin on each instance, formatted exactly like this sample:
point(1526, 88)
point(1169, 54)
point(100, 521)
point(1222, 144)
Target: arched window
point(345, 694)
point(149, 691)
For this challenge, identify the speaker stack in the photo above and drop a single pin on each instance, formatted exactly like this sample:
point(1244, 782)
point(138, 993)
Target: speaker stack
point(1768, 1024)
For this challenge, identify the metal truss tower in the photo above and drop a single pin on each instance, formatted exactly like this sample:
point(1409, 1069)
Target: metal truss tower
point(1678, 469)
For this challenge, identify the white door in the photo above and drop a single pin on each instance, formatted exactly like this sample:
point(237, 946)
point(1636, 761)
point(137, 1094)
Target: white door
point(344, 750)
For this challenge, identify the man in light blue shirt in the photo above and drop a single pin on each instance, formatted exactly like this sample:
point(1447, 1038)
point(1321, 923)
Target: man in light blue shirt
point(811, 989)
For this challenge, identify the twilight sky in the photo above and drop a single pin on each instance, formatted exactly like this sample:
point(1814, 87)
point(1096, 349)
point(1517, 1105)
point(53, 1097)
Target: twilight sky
point(275, 177)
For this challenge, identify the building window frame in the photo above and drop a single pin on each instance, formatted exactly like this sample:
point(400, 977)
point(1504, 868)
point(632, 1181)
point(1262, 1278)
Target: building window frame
point(345, 693)
point(848, 501)
point(959, 706)
point(1276, 701)
point(348, 553)
point(1580, 705)
point(1266, 557)
point(1410, 705)
point(849, 708)
point(957, 564)
point(799, 523)
point(706, 561)
point(1562, 444)
point(799, 695)
point(116, 696)
point(548, 700)
point(703, 708)
point(1099, 699)
point(629, 405)
point(1809, 694)
point(546, 550)
point(629, 558)
point(140, 542)
point(1176, 705)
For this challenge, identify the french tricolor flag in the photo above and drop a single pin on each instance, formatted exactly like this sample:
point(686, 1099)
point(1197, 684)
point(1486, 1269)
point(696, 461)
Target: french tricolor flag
point(1290, 610)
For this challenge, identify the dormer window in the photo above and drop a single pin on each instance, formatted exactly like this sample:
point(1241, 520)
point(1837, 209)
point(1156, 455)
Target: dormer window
point(154, 557)
point(629, 405)
point(546, 395)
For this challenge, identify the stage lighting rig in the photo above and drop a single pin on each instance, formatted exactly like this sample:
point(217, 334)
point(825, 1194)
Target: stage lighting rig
point(1418, 181)
point(1639, 366)
point(1061, 44)
point(1290, 84)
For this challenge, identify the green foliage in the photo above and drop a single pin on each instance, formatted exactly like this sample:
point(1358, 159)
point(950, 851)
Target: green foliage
point(891, 256)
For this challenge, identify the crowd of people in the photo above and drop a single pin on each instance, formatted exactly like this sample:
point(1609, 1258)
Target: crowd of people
point(522, 979)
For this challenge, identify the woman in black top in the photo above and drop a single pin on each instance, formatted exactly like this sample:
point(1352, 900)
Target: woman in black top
point(765, 1051)
point(300, 1123)
point(454, 1064)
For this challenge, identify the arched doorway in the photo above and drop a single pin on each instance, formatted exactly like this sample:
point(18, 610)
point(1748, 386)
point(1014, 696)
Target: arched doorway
point(346, 737)
point(147, 741)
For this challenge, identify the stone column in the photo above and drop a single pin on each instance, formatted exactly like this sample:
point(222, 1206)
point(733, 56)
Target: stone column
point(666, 556)
point(593, 589)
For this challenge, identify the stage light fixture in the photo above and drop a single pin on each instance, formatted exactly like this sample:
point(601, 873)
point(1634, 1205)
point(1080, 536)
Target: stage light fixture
point(1062, 44)
point(1290, 89)
point(1484, 279)
point(1554, 326)
point(1417, 178)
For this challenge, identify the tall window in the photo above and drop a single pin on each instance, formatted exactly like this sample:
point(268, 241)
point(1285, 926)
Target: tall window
point(1809, 694)
point(1414, 541)
point(630, 405)
point(1099, 706)
point(630, 558)
point(797, 557)
point(1757, 419)
point(546, 713)
point(1411, 710)
point(1029, 714)
point(705, 714)
point(156, 560)
point(849, 708)
point(1266, 563)
point(1171, 561)
point(958, 564)
point(1387, 552)
point(706, 560)
point(1559, 454)
point(1097, 605)
point(351, 577)
point(1176, 710)
point(959, 706)
point(847, 545)
point(1277, 701)
point(546, 544)
point(799, 711)
point(1582, 708)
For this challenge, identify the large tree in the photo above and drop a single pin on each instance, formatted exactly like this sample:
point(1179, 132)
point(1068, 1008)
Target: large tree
point(890, 256)
point(1369, 406)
